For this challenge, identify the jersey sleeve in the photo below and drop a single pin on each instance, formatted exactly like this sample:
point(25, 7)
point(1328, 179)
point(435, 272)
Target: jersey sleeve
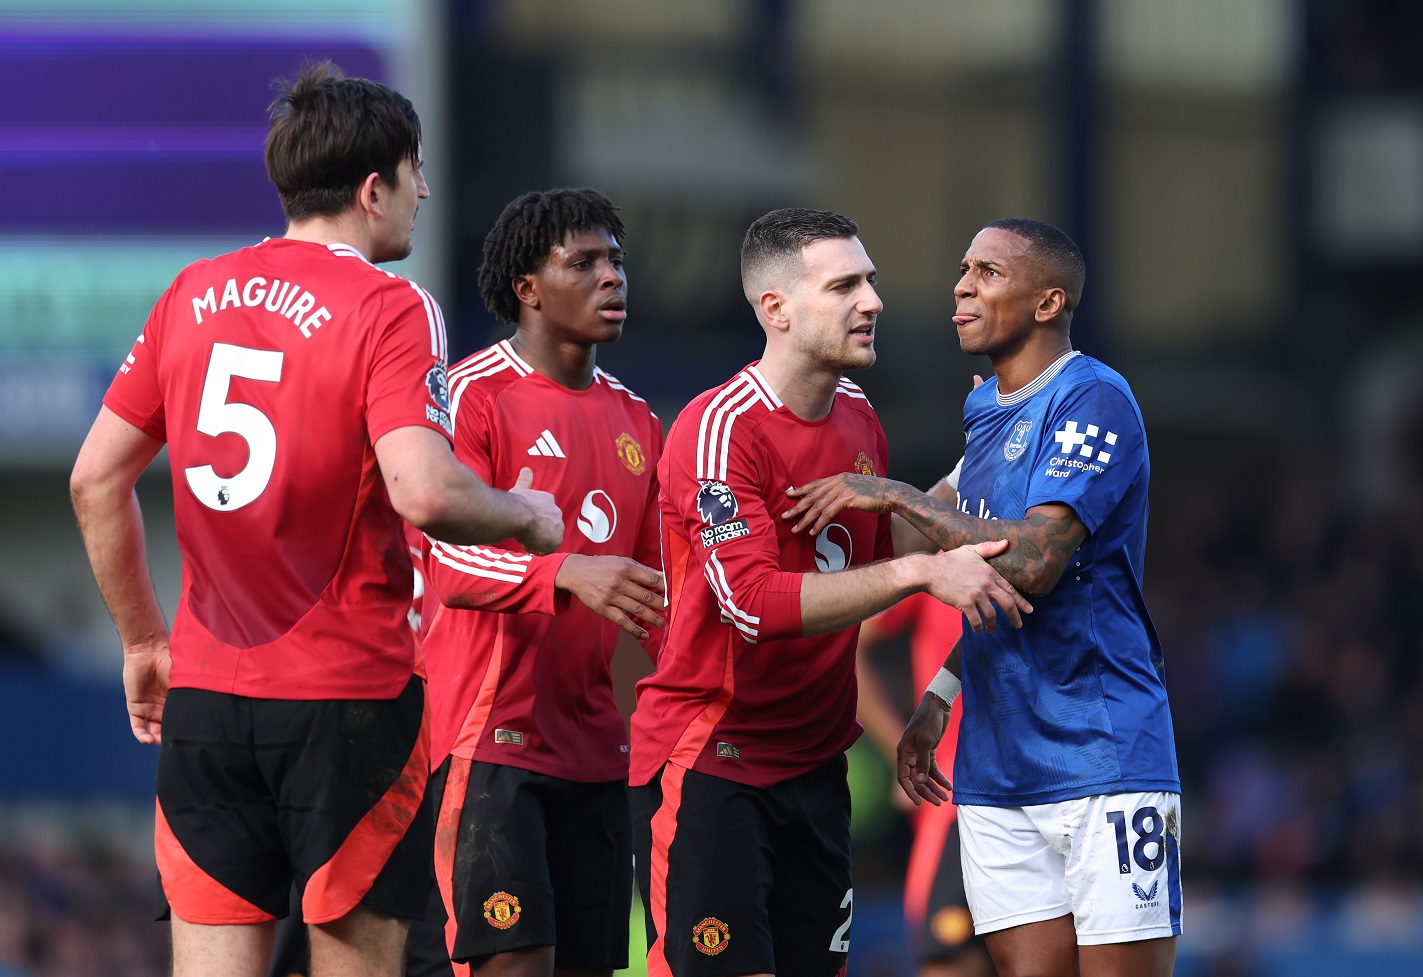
point(648, 550)
point(407, 385)
point(489, 578)
point(135, 393)
point(732, 535)
point(1092, 449)
point(884, 528)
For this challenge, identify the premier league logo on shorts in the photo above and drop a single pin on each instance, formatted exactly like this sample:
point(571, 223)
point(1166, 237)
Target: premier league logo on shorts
point(716, 504)
point(1014, 447)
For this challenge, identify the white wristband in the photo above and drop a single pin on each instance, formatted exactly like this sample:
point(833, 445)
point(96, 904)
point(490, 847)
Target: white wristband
point(953, 477)
point(946, 686)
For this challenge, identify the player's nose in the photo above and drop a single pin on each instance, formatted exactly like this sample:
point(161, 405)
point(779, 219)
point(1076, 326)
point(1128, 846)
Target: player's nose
point(613, 276)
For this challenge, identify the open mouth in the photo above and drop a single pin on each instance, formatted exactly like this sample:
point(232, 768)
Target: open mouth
point(865, 333)
point(964, 318)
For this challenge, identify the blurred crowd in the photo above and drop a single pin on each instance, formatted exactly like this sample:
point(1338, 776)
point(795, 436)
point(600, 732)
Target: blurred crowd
point(1291, 609)
point(77, 894)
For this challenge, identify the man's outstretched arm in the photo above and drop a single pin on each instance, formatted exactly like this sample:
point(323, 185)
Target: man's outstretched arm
point(1040, 546)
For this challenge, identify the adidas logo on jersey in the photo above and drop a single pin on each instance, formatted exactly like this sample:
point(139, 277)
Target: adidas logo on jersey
point(547, 446)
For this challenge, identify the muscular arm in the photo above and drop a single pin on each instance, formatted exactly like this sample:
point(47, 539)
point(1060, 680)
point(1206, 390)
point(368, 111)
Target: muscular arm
point(102, 490)
point(1040, 546)
point(832, 601)
point(906, 538)
point(101, 487)
point(960, 577)
point(437, 495)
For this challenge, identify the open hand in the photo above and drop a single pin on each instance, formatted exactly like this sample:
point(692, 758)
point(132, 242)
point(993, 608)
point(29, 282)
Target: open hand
point(917, 770)
point(822, 500)
point(622, 590)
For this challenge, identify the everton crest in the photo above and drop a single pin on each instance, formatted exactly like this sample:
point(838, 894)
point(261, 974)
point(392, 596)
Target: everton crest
point(1014, 447)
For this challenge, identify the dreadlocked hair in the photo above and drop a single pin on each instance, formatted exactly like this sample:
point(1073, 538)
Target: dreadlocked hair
point(526, 233)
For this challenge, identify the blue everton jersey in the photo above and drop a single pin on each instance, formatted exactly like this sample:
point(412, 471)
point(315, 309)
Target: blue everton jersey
point(1074, 703)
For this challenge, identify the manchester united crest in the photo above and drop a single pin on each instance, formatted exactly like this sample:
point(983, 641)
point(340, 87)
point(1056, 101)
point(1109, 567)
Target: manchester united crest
point(863, 465)
point(502, 910)
point(630, 452)
point(711, 936)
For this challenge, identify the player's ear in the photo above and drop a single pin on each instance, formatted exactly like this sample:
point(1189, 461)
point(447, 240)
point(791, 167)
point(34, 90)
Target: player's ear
point(526, 290)
point(772, 306)
point(371, 195)
point(1050, 305)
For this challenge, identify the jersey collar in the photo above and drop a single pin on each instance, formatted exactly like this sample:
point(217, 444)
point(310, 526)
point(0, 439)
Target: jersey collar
point(1044, 378)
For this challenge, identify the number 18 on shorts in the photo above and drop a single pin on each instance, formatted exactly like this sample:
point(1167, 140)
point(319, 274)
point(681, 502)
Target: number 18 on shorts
point(1113, 861)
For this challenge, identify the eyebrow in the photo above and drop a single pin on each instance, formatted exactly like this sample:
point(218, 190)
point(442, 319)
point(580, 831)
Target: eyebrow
point(850, 278)
point(982, 263)
point(582, 253)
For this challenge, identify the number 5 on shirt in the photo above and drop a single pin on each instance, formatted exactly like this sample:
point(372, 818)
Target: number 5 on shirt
point(217, 416)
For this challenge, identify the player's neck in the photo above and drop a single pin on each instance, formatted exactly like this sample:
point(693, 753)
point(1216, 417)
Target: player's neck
point(567, 364)
point(807, 391)
point(1017, 369)
point(340, 229)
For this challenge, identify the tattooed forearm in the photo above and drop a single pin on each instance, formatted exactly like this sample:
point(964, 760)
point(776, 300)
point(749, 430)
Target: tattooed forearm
point(1040, 546)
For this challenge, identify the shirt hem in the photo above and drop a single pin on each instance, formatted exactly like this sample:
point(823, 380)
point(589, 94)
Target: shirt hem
point(573, 774)
point(1076, 792)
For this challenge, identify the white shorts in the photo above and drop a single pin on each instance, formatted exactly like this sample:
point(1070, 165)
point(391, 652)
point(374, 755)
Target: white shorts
point(1113, 861)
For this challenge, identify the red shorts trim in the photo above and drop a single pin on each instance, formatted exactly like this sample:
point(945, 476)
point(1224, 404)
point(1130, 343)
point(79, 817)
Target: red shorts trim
point(193, 895)
point(338, 886)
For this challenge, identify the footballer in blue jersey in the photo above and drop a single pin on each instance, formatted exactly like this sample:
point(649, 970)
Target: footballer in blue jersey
point(1074, 703)
point(1065, 776)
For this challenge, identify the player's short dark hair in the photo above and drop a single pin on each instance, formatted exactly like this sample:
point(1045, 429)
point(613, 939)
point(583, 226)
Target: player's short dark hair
point(526, 233)
point(1058, 260)
point(779, 237)
point(328, 133)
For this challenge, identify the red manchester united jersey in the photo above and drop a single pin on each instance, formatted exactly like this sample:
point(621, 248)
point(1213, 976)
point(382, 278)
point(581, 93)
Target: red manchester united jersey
point(738, 692)
point(271, 372)
point(532, 689)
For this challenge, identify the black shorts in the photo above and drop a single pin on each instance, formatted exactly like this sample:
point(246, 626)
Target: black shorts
point(745, 880)
point(524, 859)
point(255, 794)
point(936, 907)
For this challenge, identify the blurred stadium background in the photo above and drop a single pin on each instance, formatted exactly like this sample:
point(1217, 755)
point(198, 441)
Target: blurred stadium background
point(1245, 177)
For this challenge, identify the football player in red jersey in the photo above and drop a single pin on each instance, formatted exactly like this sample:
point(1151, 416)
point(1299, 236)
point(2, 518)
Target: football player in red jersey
point(533, 852)
point(301, 393)
point(741, 809)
